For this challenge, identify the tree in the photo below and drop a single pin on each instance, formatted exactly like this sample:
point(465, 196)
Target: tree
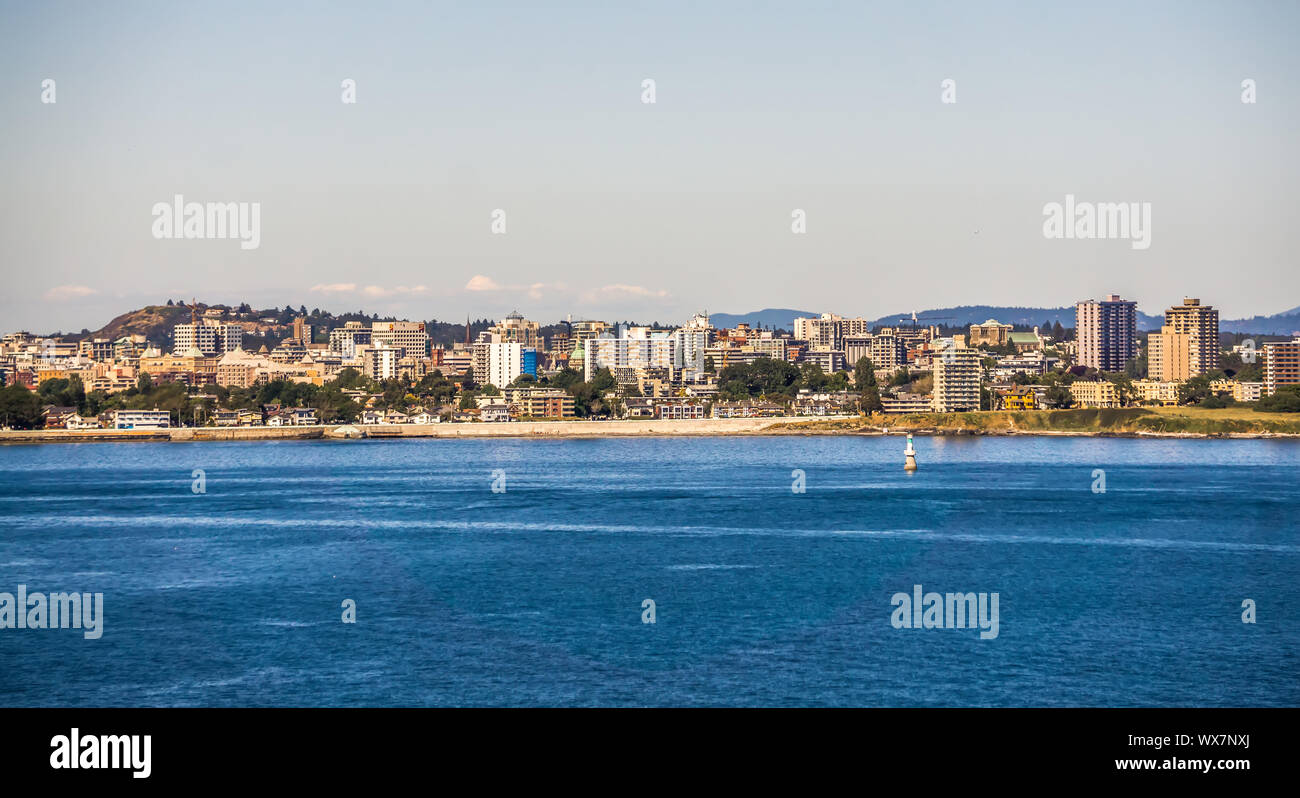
point(19, 408)
point(869, 402)
point(350, 378)
point(1194, 391)
point(864, 374)
point(1059, 396)
point(603, 380)
point(1285, 400)
point(1058, 332)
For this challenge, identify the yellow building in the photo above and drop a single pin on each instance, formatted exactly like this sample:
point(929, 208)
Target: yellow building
point(1201, 324)
point(193, 362)
point(1163, 392)
point(1169, 355)
point(1095, 394)
point(1019, 399)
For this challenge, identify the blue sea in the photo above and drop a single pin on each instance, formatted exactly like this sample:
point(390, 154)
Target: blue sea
point(535, 593)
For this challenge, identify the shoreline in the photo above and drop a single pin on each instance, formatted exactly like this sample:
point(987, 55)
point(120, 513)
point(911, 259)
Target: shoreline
point(834, 425)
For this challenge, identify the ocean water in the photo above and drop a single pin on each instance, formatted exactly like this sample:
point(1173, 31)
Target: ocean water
point(762, 596)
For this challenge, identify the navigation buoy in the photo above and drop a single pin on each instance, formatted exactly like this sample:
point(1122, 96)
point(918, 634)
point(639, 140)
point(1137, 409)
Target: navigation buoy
point(910, 454)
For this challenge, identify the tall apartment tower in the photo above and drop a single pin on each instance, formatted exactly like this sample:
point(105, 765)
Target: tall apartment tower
point(1169, 355)
point(1106, 332)
point(956, 376)
point(1281, 365)
point(829, 331)
point(209, 336)
point(1200, 323)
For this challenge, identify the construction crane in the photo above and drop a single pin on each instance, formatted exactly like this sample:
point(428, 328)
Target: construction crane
point(930, 318)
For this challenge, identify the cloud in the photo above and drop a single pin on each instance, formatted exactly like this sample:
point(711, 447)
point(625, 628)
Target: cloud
point(480, 282)
point(618, 291)
point(377, 291)
point(401, 290)
point(63, 292)
point(334, 288)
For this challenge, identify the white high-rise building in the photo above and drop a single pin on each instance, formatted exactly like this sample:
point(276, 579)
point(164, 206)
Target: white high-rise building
point(829, 331)
point(497, 363)
point(209, 336)
point(345, 340)
point(638, 348)
point(689, 347)
point(956, 376)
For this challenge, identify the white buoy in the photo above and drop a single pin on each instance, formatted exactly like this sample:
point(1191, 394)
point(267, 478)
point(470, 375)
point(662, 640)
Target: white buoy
point(910, 454)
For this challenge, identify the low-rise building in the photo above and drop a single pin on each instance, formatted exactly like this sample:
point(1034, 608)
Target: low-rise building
point(747, 409)
point(1019, 397)
point(907, 403)
point(1098, 394)
point(142, 419)
point(678, 409)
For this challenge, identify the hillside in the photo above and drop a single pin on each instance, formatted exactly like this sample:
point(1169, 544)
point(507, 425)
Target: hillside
point(155, 322)
point(780, 318)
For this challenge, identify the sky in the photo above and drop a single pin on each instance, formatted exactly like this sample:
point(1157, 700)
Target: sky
point(618, 208)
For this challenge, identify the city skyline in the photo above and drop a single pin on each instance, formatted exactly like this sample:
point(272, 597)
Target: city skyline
point(646, 210)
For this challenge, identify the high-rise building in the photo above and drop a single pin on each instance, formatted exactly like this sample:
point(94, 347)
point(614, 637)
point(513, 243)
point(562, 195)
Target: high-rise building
point(409, 336)
point(499, 363)
point(209, 336)
point(956, 376)
point(1281, 365)
point(516, 329)
point(1169, 355)
point(829, 330)
point(581, 331)
point(1201, 324)
point(883, 348)
point(690, 347)
point(636, 348)
point(345, 340)
point(381, 361)
point(1106, 332)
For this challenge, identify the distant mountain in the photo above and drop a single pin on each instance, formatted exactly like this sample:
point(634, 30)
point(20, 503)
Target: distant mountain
point(781, 318)
point(966, 315)
point(1285, 323)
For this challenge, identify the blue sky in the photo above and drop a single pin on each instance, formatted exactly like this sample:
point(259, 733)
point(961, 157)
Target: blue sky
point(620, 209)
